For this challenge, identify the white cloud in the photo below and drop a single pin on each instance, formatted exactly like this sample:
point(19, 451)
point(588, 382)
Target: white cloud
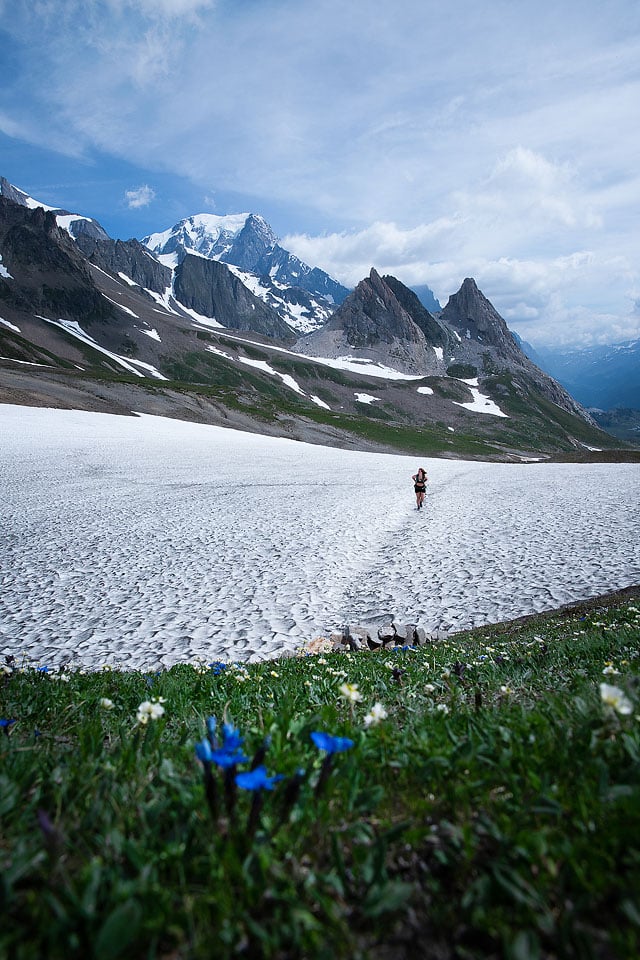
point(431, 140)
point(140, 197)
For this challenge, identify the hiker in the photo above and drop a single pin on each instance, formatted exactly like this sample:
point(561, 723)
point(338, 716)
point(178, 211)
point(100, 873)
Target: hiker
point(420, 485)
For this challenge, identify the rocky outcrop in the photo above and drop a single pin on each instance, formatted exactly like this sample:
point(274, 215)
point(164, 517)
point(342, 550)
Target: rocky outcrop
point(486, 343)
point(76, 225)
point(478, 325)
point(436, 333)
point(388, 636)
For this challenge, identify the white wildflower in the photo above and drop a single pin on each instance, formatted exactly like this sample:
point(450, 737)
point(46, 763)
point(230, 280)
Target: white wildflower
point(375, 715)
point(106, 704)
point(350, 692)
point(150, 710)
point(615, 698)
point(443, 708)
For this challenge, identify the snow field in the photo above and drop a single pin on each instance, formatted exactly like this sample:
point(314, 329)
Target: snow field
point(142, 542)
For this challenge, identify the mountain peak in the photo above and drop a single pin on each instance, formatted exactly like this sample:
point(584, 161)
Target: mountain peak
point(377, 322)
point(474, 317)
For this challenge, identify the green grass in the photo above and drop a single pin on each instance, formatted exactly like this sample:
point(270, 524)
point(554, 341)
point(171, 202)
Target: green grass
point(495, 811)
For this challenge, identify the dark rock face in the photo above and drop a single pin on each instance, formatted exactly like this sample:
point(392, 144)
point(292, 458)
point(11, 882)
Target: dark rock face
point(12, 193)
point(486, 342)
point(374, 315)
point(128, 257)
point(86, 227)
point(436, 332)
point(49, 275)
point(475, 319)
point(78, 226)
point(211, 289)
point(251, 248)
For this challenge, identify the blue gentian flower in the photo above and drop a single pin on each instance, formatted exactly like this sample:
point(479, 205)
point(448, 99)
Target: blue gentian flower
point(257, 779)
point(231, 738)
point(225, 758)
point(6, 723)
point(229, 754)
point(42, 669)
point(204, 753)
point(329, 743)
point(217, 667)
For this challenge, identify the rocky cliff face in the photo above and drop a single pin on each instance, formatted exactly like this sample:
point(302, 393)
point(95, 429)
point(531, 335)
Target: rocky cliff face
point(478, 324)
point(436, 333)
point(128, 257)
point(485, 342)
point(48, 274)
point(75, 224)
point(211, 289)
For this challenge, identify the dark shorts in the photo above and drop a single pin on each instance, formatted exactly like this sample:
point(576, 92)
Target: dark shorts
point(419, 488)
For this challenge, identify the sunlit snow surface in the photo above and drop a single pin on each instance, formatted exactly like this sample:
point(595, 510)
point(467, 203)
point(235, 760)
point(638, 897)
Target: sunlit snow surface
point(144, 541)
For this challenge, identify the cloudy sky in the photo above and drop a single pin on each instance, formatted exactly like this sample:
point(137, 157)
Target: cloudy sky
point(432, 139)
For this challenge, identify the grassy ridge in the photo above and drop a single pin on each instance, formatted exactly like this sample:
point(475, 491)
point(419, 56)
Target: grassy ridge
point(493, 812)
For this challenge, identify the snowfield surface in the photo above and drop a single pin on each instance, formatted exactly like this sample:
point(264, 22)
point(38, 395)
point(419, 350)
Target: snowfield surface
point(143, 542)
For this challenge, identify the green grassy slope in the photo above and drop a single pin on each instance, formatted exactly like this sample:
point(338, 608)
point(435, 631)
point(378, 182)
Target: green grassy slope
point(489, 807)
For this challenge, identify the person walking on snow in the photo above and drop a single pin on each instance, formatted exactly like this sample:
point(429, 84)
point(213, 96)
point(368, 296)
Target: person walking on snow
point(420, 485)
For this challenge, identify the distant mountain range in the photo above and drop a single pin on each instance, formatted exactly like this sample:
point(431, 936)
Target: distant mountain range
point(213, 320)
point(602, 377)
point(605, 379)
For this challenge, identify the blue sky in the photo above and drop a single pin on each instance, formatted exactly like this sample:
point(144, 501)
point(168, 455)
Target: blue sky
point(432, 139)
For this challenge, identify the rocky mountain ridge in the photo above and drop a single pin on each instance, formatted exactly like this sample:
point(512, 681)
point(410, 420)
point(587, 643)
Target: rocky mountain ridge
point(79, 327)
point(303, 297)
point(384, 320)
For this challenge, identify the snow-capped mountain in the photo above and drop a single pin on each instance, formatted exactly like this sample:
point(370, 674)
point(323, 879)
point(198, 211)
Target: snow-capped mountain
point(304, 296)
point(102, 324)
point(207, 234)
